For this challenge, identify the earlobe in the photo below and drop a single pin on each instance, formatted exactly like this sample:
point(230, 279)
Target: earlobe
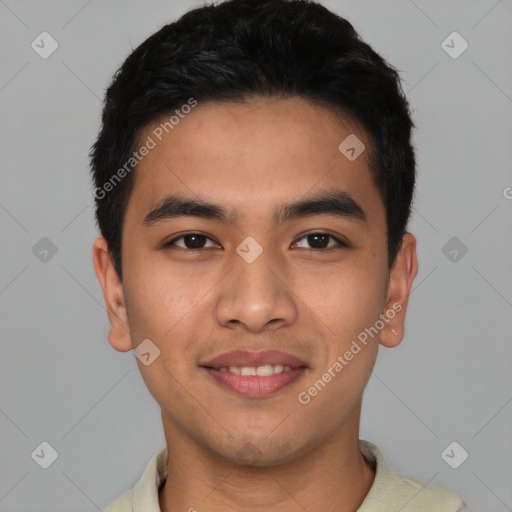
point(119, 333)
point(401, 278)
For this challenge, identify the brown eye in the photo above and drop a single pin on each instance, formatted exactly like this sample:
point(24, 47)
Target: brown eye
point(190, 241)
point(321, 241)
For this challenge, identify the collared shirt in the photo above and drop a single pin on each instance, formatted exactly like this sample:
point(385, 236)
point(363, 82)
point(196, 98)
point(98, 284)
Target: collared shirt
point(391, 490)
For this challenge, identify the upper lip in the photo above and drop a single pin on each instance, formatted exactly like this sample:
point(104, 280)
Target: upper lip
point(241, 358)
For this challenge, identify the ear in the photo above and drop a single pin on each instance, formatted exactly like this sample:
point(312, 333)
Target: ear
point(401, 277)
point(119, 333)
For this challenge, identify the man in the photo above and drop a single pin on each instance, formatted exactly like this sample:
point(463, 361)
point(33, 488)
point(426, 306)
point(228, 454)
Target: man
point(253, 181)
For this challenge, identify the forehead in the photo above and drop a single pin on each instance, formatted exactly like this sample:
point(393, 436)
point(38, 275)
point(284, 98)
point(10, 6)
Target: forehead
point(251, 155)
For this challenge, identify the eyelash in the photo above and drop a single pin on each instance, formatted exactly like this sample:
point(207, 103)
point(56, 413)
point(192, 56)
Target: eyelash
point(339, 242)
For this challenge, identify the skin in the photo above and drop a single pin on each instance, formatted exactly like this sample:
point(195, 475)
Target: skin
point(310, 302)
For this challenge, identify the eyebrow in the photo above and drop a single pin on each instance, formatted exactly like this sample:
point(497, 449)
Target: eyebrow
point(337, 203)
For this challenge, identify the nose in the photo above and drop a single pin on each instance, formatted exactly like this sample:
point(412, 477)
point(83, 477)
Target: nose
point(256, 296)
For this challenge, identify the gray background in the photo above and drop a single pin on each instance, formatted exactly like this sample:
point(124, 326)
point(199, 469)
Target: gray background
point(61, 382)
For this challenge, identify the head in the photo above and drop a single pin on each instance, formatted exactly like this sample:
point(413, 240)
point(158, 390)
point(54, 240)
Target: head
point(281, 135)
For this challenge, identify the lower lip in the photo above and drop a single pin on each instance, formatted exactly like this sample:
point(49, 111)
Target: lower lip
point(254, 385)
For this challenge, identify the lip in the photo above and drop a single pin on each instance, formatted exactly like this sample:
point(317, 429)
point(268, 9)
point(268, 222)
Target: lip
point(254, 386)
point(254, 358)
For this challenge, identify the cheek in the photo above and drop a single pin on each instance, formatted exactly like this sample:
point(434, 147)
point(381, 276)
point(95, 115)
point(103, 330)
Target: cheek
point(346, 304)
point(162, 310)
point(347, 298)
point(349, 306)
point(168, 307)
point(159, 295)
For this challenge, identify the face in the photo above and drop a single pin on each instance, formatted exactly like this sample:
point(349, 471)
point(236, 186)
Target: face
point(289, 289)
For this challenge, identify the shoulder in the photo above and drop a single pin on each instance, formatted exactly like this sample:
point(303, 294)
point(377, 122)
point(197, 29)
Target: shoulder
point(421, 496)
point(392, 488)
point(143, 497)
point(123, 503)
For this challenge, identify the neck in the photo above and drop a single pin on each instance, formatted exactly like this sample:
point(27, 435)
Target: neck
point(333, 476)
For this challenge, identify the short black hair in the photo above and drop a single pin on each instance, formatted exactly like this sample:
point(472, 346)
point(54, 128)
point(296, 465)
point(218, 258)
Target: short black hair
point(243, 48)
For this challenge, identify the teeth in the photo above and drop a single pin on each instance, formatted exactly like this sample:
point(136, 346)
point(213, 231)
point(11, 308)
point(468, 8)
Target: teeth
point(247, 371)
point(261, 371)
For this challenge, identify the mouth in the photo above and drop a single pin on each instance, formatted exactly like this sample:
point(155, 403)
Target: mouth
point(255, 373)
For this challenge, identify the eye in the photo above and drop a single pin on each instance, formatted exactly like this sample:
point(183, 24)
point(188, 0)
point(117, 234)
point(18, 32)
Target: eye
point(191, 241)
point(321, 240)
point(198, 241)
